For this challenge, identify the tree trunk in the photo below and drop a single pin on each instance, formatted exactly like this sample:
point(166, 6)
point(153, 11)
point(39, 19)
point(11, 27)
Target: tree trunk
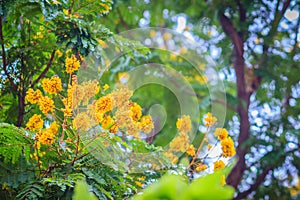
point(21, 102)
point(243, 96)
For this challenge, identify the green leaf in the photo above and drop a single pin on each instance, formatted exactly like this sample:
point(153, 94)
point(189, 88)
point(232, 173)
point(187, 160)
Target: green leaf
point(81, 191)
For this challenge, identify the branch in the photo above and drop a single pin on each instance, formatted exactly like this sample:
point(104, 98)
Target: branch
point(232, 33)
point(14, 86)
point(45, 70)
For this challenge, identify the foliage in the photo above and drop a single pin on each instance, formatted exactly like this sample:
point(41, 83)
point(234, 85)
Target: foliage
point(174, 187)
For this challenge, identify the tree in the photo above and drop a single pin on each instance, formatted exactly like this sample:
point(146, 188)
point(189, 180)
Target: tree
point(33, 36)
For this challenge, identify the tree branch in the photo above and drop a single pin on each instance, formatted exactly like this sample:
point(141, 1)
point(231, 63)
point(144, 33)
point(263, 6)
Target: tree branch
point(14, 86)
point(45, 70)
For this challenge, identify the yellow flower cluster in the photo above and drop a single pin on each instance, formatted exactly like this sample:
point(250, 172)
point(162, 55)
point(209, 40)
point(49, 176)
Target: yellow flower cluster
point(104, 104)
point(136, 111)
point(68, 102)
point(219, 164)
point(184, 123)
point(105, 8)
point(210, 120)
point(72, 64)
point(228, 147)
point(191, 150)
point(33, 96)
point(221, 133)
point(46, 104)
point(146, 124)
point(180, 143)
point(35, 123)
point(47, 136)
point(82, 121)
point(52, 85)
point(201, 167)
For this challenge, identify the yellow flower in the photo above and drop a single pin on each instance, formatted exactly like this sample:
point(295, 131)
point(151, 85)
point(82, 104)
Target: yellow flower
point(35, 122)
point(46, 137)
point(201, 167)
point(173, 158)
point(210, 120)
point(120, 96)
point(107, 122)
point(72, 64)
point(146, 124)
point(123, 117)
point(136, 111)
point(221, 133)
point(114, 128)
point(52, 85)
point(180, 143)
point(105, 8)
point(105, 87)
point(184, 123)
point(139, 184)
point(223, 180)
point(33, 96)
point(58, 53)
point(228, 147)
point(90, 88)
point(191, 150)
point(46, 104)
point(133, 129)
point(209, 146)
point(219, 164)
point(104, 104)
point(102, 43)
point(82, 121)
point(54, 128)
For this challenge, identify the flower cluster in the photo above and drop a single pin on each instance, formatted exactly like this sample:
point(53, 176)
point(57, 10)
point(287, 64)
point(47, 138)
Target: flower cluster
point(45, 103)
point(72, 64)
point(52, 85)
point(182, 144)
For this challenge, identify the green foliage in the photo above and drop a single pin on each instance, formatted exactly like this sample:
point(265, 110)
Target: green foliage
point(174, 187)
point(81, 191)
point(13, 143)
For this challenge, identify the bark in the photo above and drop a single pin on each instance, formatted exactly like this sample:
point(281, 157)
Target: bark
point(237, 172)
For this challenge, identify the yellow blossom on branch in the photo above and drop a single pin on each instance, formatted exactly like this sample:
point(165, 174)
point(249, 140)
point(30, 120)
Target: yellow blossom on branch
point(46, 105)
point(228, 147)
point(180, 143)
point(104, 104)
point(221, 133)
point(191, 150)
point(52, 85)
point(33, 96)
point(107, 122)
point(72, 64)
point(201, 167)
point(82, 121)
point(146, 124)
point(136, 111)
point(35, 122)
point(219, 164)
point(184, 123)
point(210, 120)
